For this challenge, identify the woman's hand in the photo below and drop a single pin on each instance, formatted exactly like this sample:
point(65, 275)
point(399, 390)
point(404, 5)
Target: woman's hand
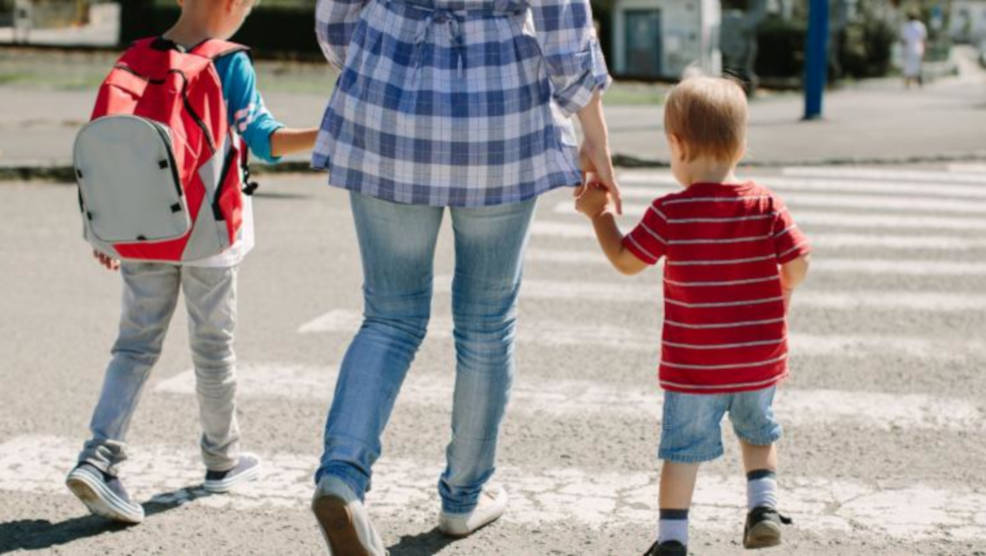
point(591, 200)
point(594, 156)
point(597, 170)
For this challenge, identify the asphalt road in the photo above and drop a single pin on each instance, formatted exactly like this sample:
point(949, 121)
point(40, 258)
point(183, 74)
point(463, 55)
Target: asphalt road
point(885, 413)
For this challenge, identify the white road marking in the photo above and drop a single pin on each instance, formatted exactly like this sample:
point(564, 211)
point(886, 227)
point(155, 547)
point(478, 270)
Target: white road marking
point(658, 184)
point(936, 302)
point(583, 230)
point(569, 398)
point(968, 168)
point(404, 490)
point(830, 200)
point(567, 333)
point(840, 219)
point(819, 264)
point(882, 174)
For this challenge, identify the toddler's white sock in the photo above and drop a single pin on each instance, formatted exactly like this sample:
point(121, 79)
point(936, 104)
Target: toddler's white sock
point(673, 526)
point(761, 488)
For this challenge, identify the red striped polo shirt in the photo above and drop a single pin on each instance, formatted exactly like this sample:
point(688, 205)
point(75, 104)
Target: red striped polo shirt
point(724, 323)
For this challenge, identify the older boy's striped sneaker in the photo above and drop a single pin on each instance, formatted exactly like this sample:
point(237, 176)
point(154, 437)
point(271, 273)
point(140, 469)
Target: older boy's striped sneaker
point(246, 469)
point(103, 494)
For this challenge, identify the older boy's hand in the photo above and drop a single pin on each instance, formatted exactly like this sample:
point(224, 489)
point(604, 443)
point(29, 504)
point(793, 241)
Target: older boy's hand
point(591, 199)
point(109, 262)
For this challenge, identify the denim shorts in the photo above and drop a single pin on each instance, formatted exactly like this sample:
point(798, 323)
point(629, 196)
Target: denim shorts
point(690, 429)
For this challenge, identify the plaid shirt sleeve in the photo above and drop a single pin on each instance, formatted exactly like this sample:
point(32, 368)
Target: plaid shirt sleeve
point(335, 21)
point(571, 50)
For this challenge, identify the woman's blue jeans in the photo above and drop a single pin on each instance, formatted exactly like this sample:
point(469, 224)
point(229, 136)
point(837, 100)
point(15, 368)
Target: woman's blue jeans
point(397, 245)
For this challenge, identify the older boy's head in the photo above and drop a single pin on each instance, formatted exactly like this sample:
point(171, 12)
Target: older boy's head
point(706, 117)
point(221, 18)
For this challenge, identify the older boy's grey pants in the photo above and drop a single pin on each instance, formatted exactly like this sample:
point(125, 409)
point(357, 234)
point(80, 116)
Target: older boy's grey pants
point(150, 293)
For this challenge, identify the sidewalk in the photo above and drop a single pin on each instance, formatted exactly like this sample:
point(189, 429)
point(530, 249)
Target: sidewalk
point(870, 122)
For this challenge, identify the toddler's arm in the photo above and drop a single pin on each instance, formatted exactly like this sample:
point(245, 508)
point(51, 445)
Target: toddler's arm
point(792, 274)
point(594, 202)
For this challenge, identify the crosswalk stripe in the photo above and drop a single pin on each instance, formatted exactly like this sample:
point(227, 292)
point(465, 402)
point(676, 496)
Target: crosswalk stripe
point(566, 333)
point(839, 219)
point(820, 264)
point(658, 184)
point(875, 202)
point(569, 397)
point(968, 168)
point(582, 230)
point(885, 174)
point(858, 299)
point(404, 490)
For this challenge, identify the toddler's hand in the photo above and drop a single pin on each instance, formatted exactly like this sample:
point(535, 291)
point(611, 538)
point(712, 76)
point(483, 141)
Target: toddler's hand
point(109, 262)
point(591, 199)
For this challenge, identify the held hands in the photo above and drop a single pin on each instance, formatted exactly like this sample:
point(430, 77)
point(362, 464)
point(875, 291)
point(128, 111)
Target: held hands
point(592, 199)
point(109, 262)
point(597, 170)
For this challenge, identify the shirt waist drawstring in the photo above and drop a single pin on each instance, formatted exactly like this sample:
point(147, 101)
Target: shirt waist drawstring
point(443, 16)
point(454, 20)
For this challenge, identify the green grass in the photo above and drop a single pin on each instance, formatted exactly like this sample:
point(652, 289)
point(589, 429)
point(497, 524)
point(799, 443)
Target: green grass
point(636, 93)
point(83, 71)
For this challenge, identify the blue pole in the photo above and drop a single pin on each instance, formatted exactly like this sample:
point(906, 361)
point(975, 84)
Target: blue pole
point(816, 57)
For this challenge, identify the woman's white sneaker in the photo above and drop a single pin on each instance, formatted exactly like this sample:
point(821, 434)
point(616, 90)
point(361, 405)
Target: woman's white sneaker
point(343, 520)
point(491, 505)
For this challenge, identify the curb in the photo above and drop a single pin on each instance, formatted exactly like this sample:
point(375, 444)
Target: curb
point(630, 161)
point(62, 173)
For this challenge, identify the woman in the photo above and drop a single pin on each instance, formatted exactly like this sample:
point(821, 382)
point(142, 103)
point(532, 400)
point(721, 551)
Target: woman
point(445, 103)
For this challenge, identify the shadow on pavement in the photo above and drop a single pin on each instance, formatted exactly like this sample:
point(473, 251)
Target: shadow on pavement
point(35, 534)
point(422, 543)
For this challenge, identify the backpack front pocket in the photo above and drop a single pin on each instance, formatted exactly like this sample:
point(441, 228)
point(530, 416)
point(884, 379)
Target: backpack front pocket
point(128, 181)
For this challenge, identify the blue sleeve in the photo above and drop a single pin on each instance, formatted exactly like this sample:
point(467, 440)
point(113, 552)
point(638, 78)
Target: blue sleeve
point(246, 112)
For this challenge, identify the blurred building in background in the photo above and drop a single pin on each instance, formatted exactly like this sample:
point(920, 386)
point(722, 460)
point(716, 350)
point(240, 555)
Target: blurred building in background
point(759, 41)
point(660, 38)
point(968, 21)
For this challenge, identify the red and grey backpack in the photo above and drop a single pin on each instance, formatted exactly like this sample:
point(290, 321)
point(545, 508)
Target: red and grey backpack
point(160, 170)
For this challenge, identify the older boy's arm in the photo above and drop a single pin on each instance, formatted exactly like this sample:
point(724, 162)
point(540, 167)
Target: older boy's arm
point(792, 274)
point(611, 240)
point(286, 140)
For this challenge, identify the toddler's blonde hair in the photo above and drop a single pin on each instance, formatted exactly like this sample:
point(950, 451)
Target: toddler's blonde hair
point(708, 114)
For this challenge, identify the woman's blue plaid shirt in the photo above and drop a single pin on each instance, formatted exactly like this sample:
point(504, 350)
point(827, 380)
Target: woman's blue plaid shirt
point(455, 102)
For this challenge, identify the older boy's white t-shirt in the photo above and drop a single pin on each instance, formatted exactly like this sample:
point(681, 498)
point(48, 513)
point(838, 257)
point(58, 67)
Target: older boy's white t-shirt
point(234, 255)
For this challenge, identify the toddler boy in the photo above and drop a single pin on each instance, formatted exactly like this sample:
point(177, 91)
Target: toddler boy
point(732, 257)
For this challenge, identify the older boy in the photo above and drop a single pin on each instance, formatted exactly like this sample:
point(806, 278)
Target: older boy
point(209, 286)
point(732, 257)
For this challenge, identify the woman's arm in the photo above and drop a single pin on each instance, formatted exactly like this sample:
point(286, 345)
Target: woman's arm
point(594, 155)
point(335, 21)
point(572, 55)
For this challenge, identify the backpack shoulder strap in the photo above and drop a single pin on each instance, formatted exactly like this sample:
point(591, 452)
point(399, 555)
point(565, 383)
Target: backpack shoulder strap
point(215, 48)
